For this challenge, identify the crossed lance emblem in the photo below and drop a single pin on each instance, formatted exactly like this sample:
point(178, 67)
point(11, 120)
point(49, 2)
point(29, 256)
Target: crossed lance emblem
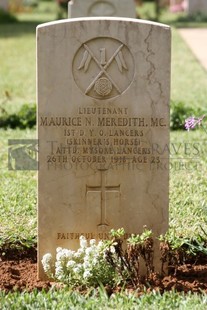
point(103, 82)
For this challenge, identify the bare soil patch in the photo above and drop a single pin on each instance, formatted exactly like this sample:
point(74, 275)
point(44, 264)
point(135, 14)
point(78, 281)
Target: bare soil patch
point(18, 271)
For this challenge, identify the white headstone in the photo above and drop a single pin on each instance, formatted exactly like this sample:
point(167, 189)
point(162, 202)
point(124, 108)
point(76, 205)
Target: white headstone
point(83, 8)
point(103, 128)
point(4, 5)
point(197, 6)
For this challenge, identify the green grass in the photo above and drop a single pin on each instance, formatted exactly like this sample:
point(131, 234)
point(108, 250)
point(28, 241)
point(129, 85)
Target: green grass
point(18, 197)
point(18, 55)
point(61, 300)
point(188, 184)
point(17, 67)
point(189, 79)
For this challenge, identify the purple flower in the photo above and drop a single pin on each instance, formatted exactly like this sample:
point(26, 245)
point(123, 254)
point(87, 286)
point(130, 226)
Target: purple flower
point(191, 122)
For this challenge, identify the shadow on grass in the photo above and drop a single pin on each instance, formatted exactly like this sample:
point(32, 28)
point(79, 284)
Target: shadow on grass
point(19, 28)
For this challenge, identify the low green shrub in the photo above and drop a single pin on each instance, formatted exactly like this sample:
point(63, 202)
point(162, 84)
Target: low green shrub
point(25, 118)
point(6, 17)
point(105, 263)
point(179, 113)
point(197, 18)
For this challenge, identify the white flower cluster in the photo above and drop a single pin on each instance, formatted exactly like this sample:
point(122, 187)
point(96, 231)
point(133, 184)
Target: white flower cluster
point(47, 263)
point(86, 266)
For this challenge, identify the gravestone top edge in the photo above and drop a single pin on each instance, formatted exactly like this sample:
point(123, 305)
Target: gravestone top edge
point(118, 19)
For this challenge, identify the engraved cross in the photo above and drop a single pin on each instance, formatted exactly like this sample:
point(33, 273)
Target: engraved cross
point(103, 189)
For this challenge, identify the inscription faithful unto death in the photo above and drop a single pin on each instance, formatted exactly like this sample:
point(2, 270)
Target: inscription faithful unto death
point(103, 104)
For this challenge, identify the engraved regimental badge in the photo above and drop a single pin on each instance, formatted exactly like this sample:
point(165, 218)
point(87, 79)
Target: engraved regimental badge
point(103, 68)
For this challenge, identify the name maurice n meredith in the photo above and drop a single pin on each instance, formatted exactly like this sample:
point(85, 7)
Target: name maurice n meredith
point(78, 121)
